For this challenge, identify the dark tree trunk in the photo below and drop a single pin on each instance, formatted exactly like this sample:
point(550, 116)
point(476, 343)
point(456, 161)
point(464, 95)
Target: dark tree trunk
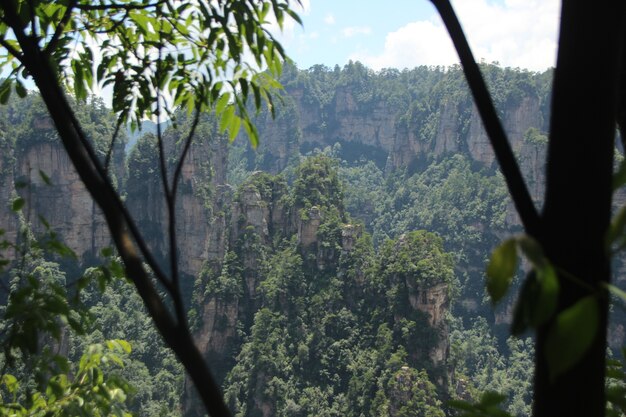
point(577, 208)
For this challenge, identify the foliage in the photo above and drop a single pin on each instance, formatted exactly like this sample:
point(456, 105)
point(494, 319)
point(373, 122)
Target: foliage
point(38, 377)
point(319, 344)
point(482, 365)
point(140, 53)
point(317, 184)
point(92, 388)
point(418, 256)
point(157, 57)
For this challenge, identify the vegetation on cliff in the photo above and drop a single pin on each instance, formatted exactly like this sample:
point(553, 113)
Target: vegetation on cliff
point(321, 296)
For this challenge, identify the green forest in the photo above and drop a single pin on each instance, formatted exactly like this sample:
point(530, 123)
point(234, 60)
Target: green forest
point(339, 279)
point(193, 225)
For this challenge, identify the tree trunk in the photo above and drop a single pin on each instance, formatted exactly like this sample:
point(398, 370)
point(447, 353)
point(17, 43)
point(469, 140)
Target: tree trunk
point(577, 208)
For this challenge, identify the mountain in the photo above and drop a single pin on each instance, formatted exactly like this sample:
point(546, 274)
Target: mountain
point(338, 268)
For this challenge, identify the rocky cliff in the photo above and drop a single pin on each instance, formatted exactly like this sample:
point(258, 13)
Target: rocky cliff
point(36, 168)
point(266, 245)
point(398, 128)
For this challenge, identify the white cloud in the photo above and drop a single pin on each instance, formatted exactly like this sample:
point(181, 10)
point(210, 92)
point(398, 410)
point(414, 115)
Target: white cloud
point(356, 30)
point(516, 33)
point(329, 19)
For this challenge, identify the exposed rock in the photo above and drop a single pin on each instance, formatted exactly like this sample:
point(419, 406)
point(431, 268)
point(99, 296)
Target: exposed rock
point(251, 211)
point(435, 302)
point(370, 124)
point(446, 139)
point(219, 326)
point(308, 226)
point(65, 203)
point(477, 140)
point(8, 219)
point(350, 233)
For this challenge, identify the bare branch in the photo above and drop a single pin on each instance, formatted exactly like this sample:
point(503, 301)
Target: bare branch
point(107, 159)
point(170, 199)
point(499, 142)
point(184, 153)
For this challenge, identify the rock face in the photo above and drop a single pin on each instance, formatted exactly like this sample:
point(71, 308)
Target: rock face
point(435, 302)
point(308, 227)
point(397, 137)
point(423, 295)
point(201, 195)
point(42, 174)
point(8, 220)
point(65, 204)
point(223, 233)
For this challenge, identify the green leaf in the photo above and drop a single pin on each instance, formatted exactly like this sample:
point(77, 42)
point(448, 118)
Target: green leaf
point(227, 117)
point(17, 204)
point(124, 344)
point(222, 102)
point(10, 382)
point(490, 398)
point(5, 91)
point(571, 335)
point(45, 178)
point(234, 127)
point(537, 300)
point(545, 301)
point(461, 405)
point(20, 90)
point(532, 250)
point(616, 291)
point(501, 269)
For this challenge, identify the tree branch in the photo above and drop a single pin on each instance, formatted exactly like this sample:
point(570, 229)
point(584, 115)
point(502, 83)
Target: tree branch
point(60, 28)
point(19, 56)
point(107, 159)
point(118, 6)
point(501, 147)
point(97, 184)
point(183, 156)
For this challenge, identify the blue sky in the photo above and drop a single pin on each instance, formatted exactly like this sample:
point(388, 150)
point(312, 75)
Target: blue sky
point(407, 33)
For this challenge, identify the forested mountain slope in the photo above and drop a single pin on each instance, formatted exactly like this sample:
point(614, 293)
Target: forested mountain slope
point(338, 269)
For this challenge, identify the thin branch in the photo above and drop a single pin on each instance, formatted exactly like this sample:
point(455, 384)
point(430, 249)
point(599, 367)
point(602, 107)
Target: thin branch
point(180, 308)
point(100, 188)
point(621, 102)
point(107, 159)
point(501, 147)
point(33, 15)
point(116, 24)
point(17, 54)
point(103, 182)
point(60, 28)
point(118, 6)
point(162, 162)
point(106, 183)
point(183, 156)
point(170, 199)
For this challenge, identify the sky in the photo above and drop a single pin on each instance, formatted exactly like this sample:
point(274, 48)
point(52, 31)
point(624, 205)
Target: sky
point(408, 33)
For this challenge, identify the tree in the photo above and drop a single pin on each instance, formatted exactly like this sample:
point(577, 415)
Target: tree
point(158, 56)
point(566, 298)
